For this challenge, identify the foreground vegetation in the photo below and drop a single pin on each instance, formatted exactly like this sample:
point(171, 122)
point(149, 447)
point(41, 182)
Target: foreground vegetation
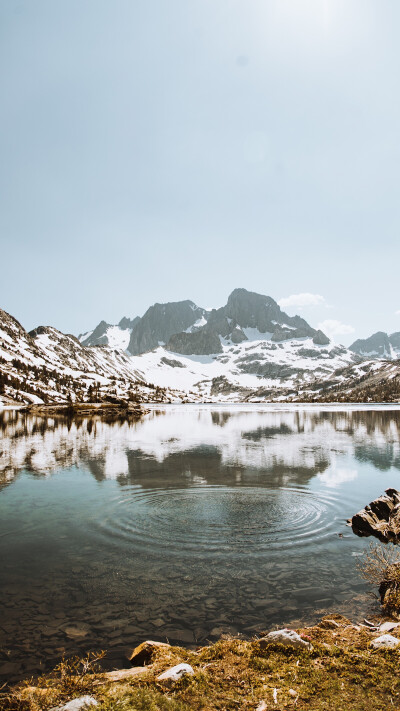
point(341, 672)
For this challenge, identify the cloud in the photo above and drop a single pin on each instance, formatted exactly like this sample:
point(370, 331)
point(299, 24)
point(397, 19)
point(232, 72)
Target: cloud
point(397, 312)
point(334, 477)
point(300, 300)
point(334, 328)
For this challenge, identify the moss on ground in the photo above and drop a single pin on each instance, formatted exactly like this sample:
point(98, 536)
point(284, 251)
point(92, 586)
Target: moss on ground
point(342, 672)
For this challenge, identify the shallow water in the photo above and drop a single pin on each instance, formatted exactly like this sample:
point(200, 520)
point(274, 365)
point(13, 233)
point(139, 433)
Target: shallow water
point(196, 521)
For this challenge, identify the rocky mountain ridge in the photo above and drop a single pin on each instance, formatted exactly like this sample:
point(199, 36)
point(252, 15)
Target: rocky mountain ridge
point(186, 328)
point(47, 366)
point(106, 334)
point(379, 345)
point(248, 350)
point(244, 310)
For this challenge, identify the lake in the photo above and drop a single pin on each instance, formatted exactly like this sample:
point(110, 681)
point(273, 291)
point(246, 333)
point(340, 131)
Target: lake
point(195, 522)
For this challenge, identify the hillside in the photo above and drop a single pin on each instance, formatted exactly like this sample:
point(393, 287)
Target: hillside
point(46, 366)
point(370, 381)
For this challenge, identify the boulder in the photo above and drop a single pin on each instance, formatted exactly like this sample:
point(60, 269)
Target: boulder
point(320, 339)
point(176, 672)
point(288, 638)
point(385, 641)
point(381, 518)
point(142, 654)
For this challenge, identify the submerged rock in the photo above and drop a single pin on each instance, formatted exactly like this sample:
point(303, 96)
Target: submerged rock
point(77, 631)
point(288, 638)
point(381, 518)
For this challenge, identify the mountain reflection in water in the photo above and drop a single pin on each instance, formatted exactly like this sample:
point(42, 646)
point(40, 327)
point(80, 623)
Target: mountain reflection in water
point(244, 445)
point(193, 522)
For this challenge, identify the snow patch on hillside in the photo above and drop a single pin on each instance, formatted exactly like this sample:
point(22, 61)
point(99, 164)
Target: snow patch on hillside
point(255, 364)
point(118, 337)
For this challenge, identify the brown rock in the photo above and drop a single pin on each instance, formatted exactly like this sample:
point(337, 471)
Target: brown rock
point(142, 654)
point(381, 518)
point(122, 674)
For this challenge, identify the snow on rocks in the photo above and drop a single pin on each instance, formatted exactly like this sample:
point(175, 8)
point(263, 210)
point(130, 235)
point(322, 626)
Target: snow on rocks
point(256, 368)
point(79, 704)
point(286, 637)
point(385, 641)
point(176, 672)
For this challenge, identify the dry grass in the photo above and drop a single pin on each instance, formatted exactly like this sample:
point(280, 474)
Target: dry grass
point(342, 673)
point(374, 563)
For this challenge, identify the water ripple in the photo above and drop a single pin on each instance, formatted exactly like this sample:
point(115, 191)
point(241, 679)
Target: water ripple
point(218, 519)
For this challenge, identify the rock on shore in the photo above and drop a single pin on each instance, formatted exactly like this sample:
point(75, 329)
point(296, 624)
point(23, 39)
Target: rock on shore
point(381, 518)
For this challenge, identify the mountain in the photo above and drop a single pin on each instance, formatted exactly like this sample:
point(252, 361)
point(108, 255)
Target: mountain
point(106, 334)
point(191, 330)
point(46, 365)
point(379, 345)
point(246, 350)
point(161, 321)
point(246, 315)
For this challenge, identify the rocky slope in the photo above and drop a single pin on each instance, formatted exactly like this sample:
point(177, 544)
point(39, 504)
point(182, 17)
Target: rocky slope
point(368, 381)
point(379, 345)
point(47, 366)
point(105, 334)
point(256, 369)
point(161, 321)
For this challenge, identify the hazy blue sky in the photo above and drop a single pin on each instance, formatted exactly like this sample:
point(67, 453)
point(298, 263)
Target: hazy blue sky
point(170, 149)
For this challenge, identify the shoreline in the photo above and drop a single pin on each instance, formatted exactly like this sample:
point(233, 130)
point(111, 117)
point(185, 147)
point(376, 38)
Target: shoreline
point(335, 665)
point(143, 408)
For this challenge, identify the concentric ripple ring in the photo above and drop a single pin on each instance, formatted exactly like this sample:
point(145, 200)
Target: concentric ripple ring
point(214, 519)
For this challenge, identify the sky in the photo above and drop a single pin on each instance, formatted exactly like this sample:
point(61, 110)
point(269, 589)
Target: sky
point(163, 150)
